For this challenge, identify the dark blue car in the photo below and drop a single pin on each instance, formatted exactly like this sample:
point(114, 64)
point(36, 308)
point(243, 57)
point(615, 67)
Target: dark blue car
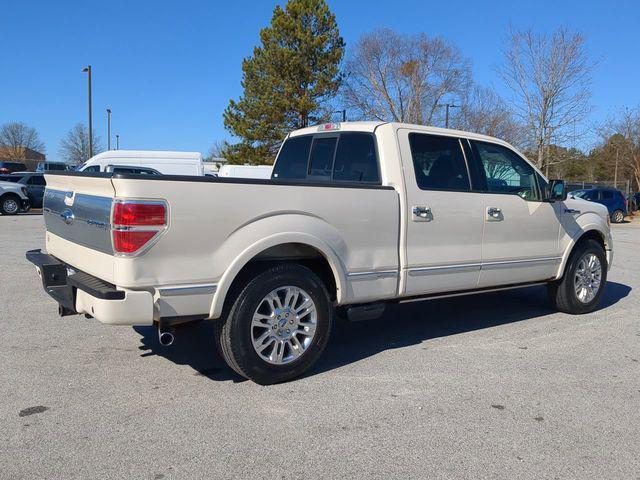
point(609, 197)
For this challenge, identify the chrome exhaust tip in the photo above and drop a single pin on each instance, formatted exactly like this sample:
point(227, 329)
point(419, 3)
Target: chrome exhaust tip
point(165, 337)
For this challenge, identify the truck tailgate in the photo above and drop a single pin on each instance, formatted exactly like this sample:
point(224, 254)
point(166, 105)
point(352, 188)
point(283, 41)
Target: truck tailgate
point(77, 211)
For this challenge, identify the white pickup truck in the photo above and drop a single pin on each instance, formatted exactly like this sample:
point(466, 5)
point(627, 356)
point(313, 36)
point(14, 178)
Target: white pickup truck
point(356, 215)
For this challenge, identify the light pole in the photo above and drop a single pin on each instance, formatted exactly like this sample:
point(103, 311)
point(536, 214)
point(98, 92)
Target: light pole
point(344, 114)
point(88, 70)
point(117, 142)
point(108, 129)
point(447, 106)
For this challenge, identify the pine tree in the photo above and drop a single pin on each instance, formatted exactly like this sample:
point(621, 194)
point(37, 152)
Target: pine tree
point(286, 81)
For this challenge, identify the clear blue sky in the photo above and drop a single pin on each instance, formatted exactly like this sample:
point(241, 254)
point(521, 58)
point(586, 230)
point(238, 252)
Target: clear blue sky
point(168, 69)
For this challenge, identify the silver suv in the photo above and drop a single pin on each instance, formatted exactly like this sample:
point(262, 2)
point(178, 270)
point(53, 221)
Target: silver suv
point(13, 198)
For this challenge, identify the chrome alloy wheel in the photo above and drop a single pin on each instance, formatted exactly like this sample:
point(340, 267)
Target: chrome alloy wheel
point(11, 206)
point(618, 217)
point(587, 278)
point(283, 325)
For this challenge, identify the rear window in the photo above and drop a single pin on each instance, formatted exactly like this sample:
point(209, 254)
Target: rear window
point(346, 157)
point(293, 159)
point(321, 161)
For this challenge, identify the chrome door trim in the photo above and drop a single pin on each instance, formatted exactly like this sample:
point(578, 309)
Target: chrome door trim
point(525, 260)
point(426, 270)
point(372, 273)
point(480, 266)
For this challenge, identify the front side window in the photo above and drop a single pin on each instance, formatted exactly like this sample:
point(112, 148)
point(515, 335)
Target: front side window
point(506, 172)
point(293, 159)
point(92, 168)
point(356, 159)
point(438, 162)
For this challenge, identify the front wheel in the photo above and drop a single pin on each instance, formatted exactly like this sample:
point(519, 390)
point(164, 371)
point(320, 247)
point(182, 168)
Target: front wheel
point(278, 325)
point(9, 205)
point(581, 288)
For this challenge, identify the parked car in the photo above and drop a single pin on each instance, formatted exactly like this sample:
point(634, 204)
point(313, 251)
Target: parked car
point(10, 167)
point(34, 183)
point(355, 216)
point(611, 198)
point(13, 198)
point(43, 167)
point(165, 163)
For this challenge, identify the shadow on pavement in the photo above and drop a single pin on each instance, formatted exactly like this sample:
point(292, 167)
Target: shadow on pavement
point(402, 325)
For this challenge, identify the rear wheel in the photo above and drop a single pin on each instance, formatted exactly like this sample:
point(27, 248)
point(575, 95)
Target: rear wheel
point(617, 216)
point(581, 287)
point(9, 205)
point(278, 325)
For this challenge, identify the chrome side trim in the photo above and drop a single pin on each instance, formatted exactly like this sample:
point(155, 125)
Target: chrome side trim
point(208, 289)
point(373, 273)
point(528, 260)
point(427, 270)
point(481, 266)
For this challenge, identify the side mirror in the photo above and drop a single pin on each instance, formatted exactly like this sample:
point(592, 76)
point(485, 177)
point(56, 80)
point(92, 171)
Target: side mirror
point(557, 191)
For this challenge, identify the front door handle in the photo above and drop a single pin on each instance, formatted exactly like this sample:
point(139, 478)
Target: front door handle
point(571, 211)
point(421, 213)
point(494, 214)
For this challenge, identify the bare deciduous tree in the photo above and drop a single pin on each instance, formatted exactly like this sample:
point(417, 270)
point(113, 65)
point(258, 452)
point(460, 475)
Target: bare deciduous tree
point(626, 142)
point(74, 147)
point(216, 151)
point(484, 111)
point(550, 79)
point(16, 136)
point(403, 78)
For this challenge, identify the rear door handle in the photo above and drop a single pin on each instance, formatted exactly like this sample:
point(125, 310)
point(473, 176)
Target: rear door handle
point(571, 211)
point(421, 213)
point(494, 214)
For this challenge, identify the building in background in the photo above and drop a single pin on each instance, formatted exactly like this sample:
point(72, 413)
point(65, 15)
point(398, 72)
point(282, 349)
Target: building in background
point(29, 157)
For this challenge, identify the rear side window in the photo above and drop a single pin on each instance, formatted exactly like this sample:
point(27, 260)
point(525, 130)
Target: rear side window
point(322, 152)
point(438, 163)
point(356, 159)
point(293, 159)
point(607, 194)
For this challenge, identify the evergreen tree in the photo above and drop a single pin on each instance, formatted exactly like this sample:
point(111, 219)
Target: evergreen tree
point(290, 76)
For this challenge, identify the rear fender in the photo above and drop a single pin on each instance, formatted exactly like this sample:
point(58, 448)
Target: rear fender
point(252, 239)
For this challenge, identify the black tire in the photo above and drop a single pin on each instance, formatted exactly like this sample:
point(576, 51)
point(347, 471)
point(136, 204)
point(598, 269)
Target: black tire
point(7, 203)
point(563, 292)
point(234, 330)
point(617, 216)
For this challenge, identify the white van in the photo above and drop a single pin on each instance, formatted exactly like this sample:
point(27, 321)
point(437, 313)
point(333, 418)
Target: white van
point(246, 171)
point(145, 162)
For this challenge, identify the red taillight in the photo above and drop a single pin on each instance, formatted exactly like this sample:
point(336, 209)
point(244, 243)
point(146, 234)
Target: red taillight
point(127, 241)
point(139, 214)
point(135, 224)
point(4, 170)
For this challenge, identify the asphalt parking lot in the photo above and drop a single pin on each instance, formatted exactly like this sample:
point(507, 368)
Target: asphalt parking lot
point(491, 386)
